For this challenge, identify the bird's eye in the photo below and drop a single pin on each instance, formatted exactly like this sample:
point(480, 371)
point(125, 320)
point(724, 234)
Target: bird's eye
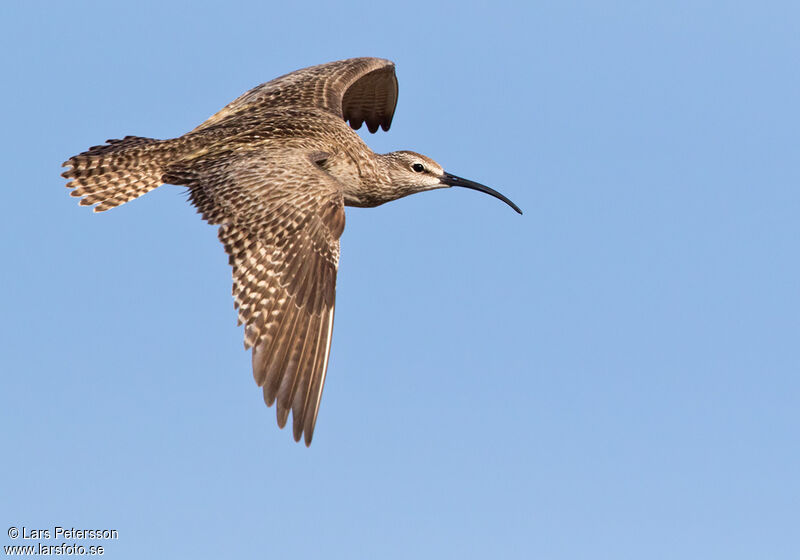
point(418, 167)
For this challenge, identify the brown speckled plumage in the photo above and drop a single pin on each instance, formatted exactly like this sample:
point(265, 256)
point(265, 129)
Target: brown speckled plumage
point(274, 169)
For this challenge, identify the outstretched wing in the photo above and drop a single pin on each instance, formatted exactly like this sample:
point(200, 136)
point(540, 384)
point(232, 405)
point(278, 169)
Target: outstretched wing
point(280, 220)
point(360, 90)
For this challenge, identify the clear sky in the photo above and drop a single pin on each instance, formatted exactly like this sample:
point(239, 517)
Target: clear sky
point(612, 375)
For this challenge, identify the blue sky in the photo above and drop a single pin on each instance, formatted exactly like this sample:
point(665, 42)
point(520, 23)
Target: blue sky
point(612, 375)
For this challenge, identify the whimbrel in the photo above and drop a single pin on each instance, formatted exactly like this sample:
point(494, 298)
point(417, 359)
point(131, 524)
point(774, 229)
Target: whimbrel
point(275, 169)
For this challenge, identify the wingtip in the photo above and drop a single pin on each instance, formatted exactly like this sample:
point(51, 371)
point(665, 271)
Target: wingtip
point(283, 417)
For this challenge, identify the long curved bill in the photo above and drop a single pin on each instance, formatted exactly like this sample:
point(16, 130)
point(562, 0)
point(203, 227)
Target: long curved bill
point(455, 181)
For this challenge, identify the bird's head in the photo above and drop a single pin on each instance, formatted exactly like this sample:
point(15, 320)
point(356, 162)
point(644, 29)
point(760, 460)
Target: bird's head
point(410, 172)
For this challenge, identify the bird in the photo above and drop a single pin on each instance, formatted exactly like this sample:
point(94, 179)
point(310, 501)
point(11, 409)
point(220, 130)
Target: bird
point(274, 170)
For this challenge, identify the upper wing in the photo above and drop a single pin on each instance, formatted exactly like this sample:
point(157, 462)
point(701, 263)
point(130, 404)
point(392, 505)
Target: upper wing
point(280, 221)
point(360, 90)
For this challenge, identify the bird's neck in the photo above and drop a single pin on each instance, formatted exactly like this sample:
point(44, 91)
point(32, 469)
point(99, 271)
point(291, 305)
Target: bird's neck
point(372, 186)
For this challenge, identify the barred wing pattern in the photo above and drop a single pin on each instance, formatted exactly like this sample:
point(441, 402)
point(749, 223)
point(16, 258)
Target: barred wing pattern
point(280, 218)
point(359, 90)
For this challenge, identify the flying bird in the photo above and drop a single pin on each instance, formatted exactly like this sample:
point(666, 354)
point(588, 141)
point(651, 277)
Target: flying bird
point(274, 170)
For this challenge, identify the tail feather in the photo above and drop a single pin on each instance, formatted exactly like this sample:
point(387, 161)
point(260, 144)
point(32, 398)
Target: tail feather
point(116, 172)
